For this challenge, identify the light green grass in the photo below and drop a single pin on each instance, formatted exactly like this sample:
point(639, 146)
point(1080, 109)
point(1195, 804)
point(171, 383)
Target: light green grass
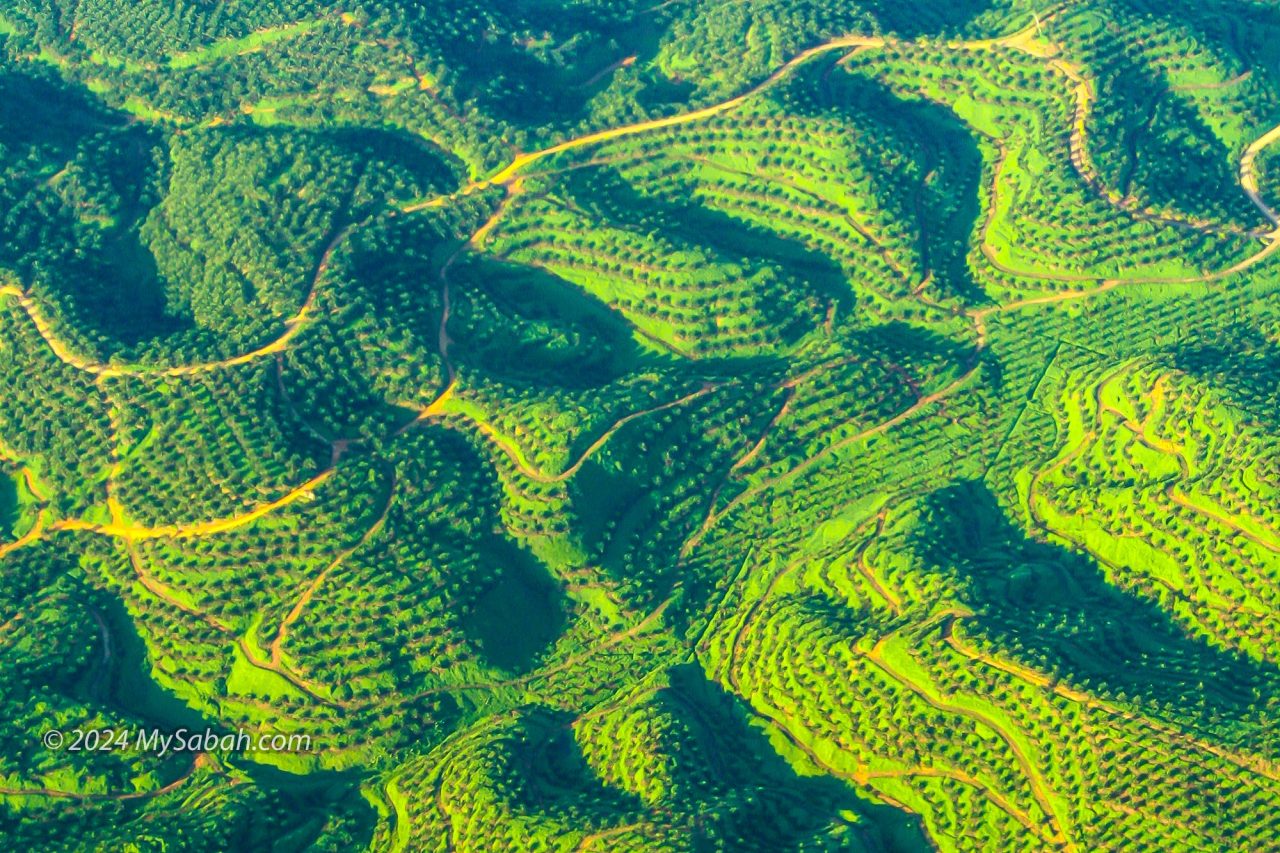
point(238, 46)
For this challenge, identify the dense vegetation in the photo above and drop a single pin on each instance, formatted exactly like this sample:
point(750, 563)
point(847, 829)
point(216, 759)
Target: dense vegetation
point(769, 425)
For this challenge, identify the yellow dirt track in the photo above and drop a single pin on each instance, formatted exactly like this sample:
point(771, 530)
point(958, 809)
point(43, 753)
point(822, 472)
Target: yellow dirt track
point(134, 533)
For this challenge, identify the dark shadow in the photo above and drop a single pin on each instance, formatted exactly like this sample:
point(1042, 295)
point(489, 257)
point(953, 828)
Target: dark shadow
point(1240, 362)
point(531, 63)
point(521, 614)
point(1152, 143)
point(663, 95)
point(947, 201)
point(504, 599)
point(8, 505)
point(787, 807)
point(38, 110)
point(81, 160)
point(389, 318)
point(437, 170)
point(115, 291)
point(525, 324)
point(727, 781)
point(1054, 610)
point(114, 673)
point(106, 280)
point(913, 20)
point(625, 499)
point(128, 686)
point(544, 770)
point(600, 494)
point(1250, 31)
point(898, 342)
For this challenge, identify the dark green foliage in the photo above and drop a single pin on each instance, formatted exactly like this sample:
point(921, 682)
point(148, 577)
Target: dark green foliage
point(641, 426)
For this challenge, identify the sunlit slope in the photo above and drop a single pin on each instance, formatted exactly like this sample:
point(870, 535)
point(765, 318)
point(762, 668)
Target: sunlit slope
point(633, 426)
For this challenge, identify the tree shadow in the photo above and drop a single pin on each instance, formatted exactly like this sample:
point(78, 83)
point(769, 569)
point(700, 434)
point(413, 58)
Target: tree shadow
point(521, 614)
point(8, 505)
point(38, 110)
point(77, 209)
point(1250, 31)
point(899, 342)
point(503, 598)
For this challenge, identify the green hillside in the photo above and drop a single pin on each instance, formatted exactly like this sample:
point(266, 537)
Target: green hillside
point(624, 425)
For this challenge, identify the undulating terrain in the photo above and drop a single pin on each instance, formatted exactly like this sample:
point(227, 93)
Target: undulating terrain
point(626, 425)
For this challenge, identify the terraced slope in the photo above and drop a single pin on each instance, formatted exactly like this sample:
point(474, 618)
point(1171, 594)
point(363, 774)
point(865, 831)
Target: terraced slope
point(621, 426)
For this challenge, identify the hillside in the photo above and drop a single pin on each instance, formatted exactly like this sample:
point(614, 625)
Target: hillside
point(625, 425)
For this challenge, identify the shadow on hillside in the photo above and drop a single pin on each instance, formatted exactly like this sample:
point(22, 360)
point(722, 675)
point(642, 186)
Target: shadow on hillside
point(85, 191)
point(1152, 143)
point(789, 809)
point(722, 777)
point(1054, 609)
point(947, 198)
point(1249, 31)
point(913, 20)
point(1241, 362)
point(40, 111)
point(534, 64)
point(547, 331)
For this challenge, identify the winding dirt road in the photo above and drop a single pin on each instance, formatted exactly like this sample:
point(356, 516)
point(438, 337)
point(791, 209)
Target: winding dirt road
point(135, 533)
